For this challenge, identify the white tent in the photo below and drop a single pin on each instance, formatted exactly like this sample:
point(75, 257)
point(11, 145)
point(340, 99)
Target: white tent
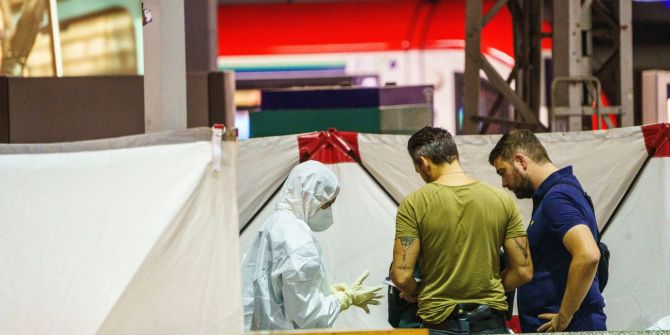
point(135, 235)
point(606, 162)
point(638, 293)
point(139, 234)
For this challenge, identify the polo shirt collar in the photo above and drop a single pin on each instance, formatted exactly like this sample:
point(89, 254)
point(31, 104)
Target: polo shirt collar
point(552, 180)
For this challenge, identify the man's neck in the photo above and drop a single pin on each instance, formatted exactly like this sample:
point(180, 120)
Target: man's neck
point(542, 172)
point(450, 174)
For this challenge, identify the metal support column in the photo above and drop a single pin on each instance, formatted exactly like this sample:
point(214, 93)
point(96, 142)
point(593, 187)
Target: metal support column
point(533, 83)
point(200, 30)
point(527, 17)
point(584, 31)
point(473, 30)
point(164, 67)
point(54, 33)
point(624, 12)
point(567, 62)
point(578, 40)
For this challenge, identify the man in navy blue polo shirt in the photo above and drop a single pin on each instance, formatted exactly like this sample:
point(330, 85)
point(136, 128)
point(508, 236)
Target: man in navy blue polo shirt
point(564, 294)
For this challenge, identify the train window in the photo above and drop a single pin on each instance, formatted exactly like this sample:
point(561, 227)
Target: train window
point(102, 43)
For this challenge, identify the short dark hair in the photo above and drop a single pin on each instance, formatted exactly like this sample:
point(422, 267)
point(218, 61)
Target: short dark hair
point(519, 140)
point(437, 144)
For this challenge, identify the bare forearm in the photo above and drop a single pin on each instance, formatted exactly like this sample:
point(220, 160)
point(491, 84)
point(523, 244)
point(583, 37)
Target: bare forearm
point(580, 277)
point(408, 287)
point(407, 284)
point(520, 265)
point(512, 278)
point(405, 253)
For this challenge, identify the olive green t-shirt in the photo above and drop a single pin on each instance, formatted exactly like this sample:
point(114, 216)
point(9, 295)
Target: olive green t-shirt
point(461, 230)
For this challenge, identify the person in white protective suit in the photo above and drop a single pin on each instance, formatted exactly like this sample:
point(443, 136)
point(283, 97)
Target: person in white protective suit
point(284, 279)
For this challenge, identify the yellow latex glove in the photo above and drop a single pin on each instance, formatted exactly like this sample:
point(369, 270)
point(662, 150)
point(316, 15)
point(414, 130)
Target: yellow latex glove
point(345, 300)
point(339, 287)
point(340, 292)
point(357, 294)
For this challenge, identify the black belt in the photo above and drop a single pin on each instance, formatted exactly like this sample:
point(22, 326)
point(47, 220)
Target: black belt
point(466, 326)
point(461, 319)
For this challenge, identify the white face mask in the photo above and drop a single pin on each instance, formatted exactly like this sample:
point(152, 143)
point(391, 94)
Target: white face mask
point(321, 220)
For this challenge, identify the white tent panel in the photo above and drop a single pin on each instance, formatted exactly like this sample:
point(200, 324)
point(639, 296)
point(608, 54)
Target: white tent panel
point(360, 239)
point(115, 237)
point(125, 142)
point(263, 165)
point(605, 162)
point(638, 291)
point(386, 157)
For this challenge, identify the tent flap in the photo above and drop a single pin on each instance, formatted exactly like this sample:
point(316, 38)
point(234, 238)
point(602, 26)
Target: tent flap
point(130, 240)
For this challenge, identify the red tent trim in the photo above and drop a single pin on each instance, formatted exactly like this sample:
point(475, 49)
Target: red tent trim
point(657, 139)
point(329, 147)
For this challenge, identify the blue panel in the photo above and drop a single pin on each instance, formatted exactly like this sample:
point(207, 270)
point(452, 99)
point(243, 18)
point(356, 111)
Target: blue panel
point(354, 97)
point(315, 99)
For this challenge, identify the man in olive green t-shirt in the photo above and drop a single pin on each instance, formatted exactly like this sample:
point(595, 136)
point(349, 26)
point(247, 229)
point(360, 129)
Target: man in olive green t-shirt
point(454, 227)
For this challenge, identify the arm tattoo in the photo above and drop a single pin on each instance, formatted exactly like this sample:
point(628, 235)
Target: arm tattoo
point(406, 244)
point(522, 245)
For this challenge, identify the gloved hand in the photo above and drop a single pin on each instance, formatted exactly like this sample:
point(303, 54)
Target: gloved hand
point(339, 292)
point(357, 294)
point(339, 287)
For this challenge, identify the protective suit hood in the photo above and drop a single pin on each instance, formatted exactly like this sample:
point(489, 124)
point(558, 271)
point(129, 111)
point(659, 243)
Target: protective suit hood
point(309, 186)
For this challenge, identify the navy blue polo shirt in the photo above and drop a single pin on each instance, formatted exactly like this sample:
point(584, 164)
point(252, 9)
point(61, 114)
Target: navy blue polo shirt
point(557, 207)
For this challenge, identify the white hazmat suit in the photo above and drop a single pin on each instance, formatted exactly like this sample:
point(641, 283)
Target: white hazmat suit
point(284, 284)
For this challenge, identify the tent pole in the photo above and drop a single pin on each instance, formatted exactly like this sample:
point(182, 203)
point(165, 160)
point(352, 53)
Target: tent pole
point(360, 163)
point(262, 206)
point(628, 191)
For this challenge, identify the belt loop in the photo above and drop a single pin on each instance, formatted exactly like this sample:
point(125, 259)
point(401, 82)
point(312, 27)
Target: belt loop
point(465, 325)
point(463, 322)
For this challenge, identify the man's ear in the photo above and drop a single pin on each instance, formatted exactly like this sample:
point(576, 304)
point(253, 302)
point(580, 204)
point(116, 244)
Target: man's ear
point(424, 161)
point(521, 160)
